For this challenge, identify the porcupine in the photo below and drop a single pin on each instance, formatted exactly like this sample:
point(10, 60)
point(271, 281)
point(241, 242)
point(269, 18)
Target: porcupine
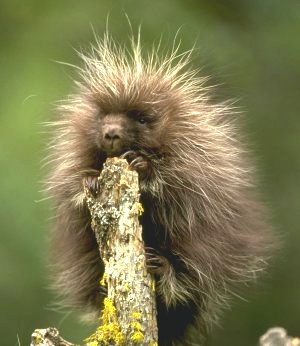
point(203, 226)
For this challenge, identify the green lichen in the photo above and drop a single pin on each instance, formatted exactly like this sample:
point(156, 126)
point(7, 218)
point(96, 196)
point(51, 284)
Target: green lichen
point(126, 287)
point(153, 285)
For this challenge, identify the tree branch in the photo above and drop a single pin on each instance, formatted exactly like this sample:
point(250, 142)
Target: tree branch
point(129, 315)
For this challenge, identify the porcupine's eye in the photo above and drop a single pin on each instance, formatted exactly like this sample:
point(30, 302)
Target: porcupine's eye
point(137, 115)
point(141, 120)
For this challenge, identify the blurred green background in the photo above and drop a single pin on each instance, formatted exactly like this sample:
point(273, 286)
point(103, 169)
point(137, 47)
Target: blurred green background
point(252, 50)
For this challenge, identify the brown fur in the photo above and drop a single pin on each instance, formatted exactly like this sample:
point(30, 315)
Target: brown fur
point(201, 216)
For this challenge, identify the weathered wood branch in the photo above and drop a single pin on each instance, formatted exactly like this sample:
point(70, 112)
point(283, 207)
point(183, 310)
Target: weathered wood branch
point(129, 316)
point(48, 337)
point(277, 336)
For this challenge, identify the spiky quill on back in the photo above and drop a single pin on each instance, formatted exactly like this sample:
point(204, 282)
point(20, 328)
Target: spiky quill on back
point(201, 213)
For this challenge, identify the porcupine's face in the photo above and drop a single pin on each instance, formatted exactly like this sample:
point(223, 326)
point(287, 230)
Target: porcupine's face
point(120, 132)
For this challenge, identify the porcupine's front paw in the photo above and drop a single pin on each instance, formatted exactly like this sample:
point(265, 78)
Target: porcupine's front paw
point(138, 162)
point(91, 182)
point(156, 263)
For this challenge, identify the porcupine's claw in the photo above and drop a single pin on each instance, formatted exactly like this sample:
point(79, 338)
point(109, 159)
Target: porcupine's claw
point(137, 162)
point(130, 156)
point(91, 182)
point(103, 290)
point(156, 263)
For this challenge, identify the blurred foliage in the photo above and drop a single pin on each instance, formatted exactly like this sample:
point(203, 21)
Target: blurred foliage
point(252, 50)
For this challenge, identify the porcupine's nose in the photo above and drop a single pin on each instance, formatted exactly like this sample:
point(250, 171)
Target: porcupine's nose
point(111, 134)
point(112, 138)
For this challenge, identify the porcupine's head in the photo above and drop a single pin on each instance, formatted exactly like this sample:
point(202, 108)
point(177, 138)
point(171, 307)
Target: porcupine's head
point(127, 100)
point(153, 103)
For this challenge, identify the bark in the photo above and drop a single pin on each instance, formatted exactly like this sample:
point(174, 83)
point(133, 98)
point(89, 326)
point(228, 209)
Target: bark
point(48, 337)
point(129, 315)
point(277, 336)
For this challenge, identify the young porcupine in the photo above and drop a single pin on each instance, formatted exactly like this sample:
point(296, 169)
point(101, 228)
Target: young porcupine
point(203, 227)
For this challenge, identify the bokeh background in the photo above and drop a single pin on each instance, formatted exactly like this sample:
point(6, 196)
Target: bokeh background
point(252, 51)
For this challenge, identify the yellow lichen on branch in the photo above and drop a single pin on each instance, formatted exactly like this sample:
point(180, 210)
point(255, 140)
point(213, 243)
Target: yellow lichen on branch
point(108, 333)
point(129, 312)
point(129, 316)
